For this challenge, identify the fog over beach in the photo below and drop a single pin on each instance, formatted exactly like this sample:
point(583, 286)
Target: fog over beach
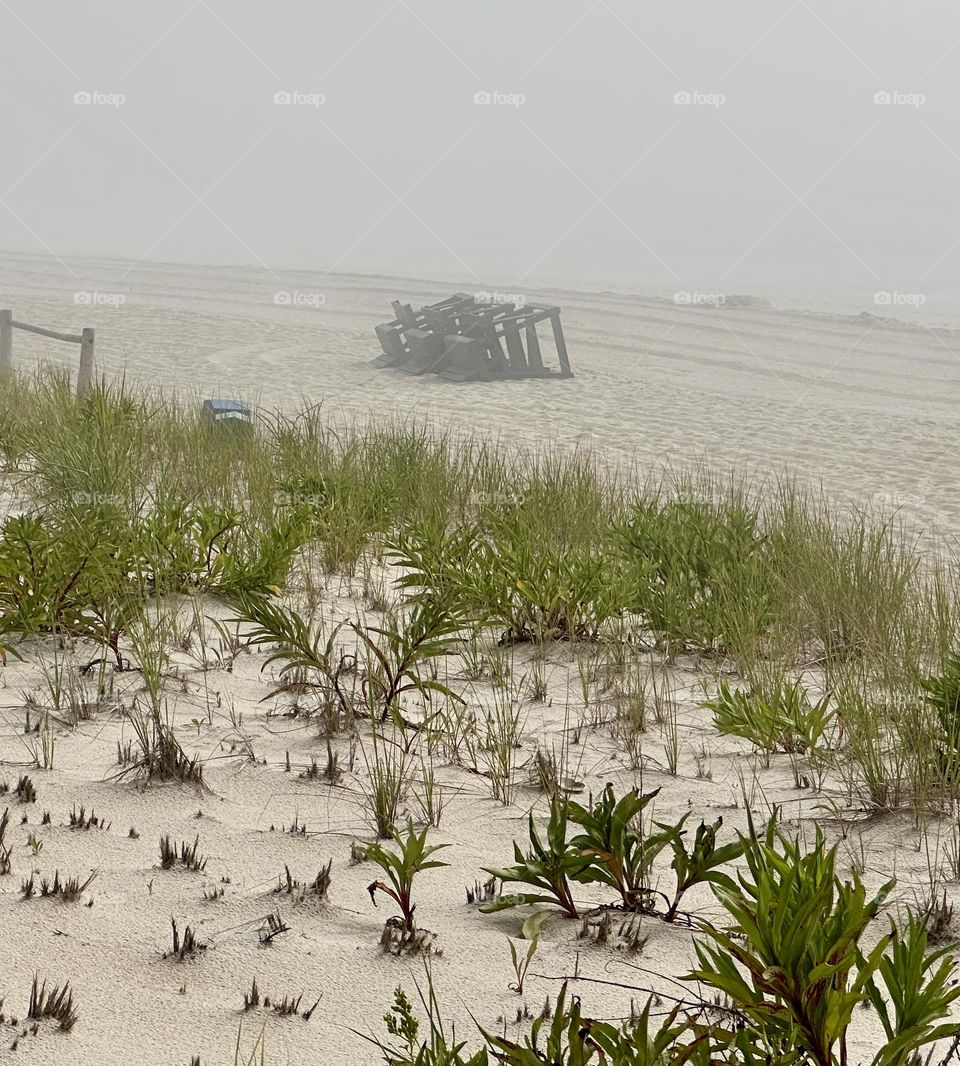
point(376, 691)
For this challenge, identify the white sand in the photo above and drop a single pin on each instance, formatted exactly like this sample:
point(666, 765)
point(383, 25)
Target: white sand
point(869, 406)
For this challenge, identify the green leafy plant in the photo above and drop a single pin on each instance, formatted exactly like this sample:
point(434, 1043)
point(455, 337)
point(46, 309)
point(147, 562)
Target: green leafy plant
point(795, 969)
point(310, 659)
point(613, 839)
point(942, 696)
point(507, 570)
point(570, 1039)
point(522, 963)
point(921, 989)
point(701, 864)
point(413, 858)
point(400, 653)
point(61, 573)
point(779, 720)
point(548, 868)
point(218, 548)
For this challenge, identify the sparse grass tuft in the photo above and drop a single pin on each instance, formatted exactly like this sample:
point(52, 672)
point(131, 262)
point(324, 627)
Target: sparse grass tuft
point(57, 1003)
point(185, 945)
point(185, 856)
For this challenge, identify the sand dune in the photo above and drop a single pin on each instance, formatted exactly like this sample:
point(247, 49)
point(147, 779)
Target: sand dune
point(863, 403)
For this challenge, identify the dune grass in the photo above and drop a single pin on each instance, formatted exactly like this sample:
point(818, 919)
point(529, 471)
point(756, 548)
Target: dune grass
point(821, 634)
point(129, 496)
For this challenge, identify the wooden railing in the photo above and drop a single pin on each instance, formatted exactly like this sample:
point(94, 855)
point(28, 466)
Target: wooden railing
point(85, 339)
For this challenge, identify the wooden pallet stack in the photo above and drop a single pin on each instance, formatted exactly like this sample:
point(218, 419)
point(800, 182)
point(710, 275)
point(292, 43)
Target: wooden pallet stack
point(462, 338)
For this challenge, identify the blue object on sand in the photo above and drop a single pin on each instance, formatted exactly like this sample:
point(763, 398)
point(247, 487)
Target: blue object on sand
point(230, 411)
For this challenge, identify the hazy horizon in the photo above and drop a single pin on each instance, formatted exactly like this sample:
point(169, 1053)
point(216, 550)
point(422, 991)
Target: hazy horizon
point(700, 147)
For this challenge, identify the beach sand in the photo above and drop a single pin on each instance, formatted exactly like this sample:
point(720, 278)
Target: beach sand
point(863, 403)
point(866, 406)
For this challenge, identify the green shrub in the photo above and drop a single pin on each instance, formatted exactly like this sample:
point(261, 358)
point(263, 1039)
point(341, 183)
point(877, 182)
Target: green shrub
point(612, 838)
point(780, 719)
point(793, 963)
point(504, 575)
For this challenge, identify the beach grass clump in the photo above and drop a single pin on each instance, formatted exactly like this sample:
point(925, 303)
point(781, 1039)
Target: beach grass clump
point(68, 889)
point(25, 790)
point(159, 755)
point(80, 819)
point(6, 850)
point(697, 568)
point(779, 719)
point(184, 945)
point(317, 889)
point(186, 856)
point(287, 1007)
point(55, 1003)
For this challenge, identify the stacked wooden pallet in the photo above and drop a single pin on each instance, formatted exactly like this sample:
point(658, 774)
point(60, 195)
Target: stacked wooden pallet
point(462, 338)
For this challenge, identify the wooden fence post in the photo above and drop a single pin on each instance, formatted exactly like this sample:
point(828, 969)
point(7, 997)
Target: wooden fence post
point(6, 341)
point(85, 376)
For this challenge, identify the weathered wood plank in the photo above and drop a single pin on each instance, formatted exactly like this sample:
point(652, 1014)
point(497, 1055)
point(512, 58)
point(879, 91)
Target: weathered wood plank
point(70, 338)
point(561, 344)
point(6, 341)
point(85, 376)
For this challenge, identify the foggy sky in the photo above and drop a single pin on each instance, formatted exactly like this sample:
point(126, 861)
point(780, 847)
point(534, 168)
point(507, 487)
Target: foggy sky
point(783, 170)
